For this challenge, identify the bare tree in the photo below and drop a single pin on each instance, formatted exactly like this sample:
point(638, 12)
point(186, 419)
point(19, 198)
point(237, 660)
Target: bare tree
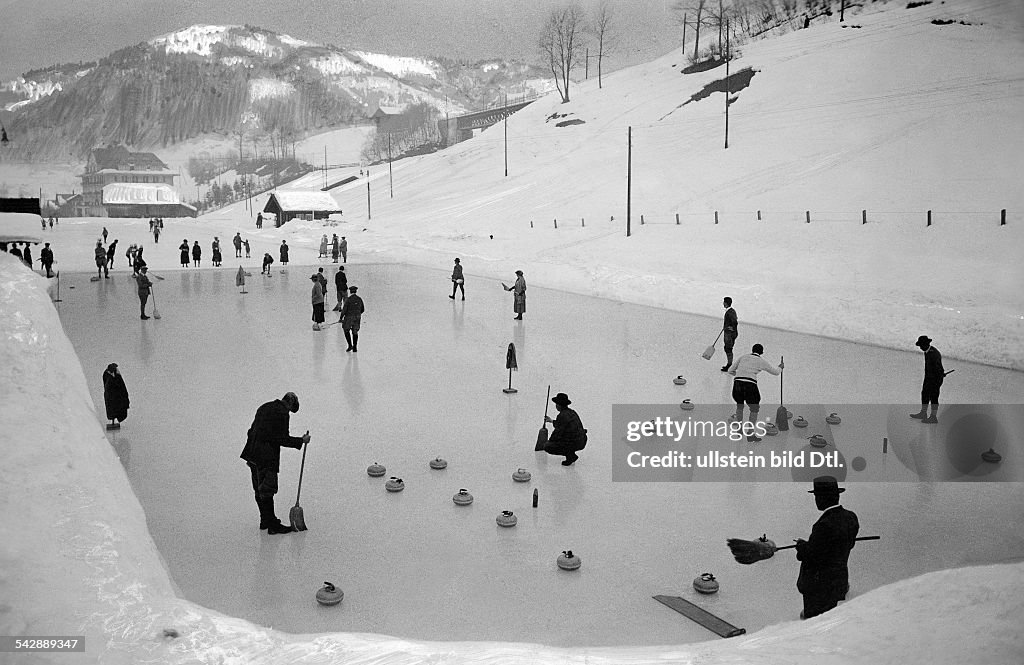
point(697, 9)
point(561, 44)
point(603, 31)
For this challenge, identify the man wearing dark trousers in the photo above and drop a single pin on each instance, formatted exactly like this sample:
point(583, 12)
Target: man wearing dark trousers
point(744, 387)
point(351, 315)
point(262, 453)
point(933, 376)
point(145, 288)
point(729, 331)
point(567, 434)
point(824, 577)
point(458, 280)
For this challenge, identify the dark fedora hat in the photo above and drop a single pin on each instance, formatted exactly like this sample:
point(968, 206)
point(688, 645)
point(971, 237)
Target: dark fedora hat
point(826, 485)
point(923, 341)
point(562, 399)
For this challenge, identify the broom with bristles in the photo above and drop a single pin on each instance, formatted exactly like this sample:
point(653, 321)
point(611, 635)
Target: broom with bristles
point(295, 515)
point(542, 435)
point(752, 551)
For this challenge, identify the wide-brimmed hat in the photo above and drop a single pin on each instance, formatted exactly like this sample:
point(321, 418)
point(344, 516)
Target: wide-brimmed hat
point(561, 399)
point(826, 485)
point(112, 366)
point(519, 272)
point(923, 341)
point(291, 400)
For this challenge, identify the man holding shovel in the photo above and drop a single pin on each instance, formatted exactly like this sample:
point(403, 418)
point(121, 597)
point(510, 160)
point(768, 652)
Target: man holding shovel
point(262, 453)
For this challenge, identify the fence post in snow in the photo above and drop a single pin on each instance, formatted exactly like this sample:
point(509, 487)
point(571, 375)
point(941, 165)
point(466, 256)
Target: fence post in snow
point(1002, 217)
point(863, 217)
point(641, 220)
point(759, 215)
point(716, 217)
point(556, 223)
point(583, 222)
point(808, 216)
point(531, 223)
point(677, 219)
point(929, 218)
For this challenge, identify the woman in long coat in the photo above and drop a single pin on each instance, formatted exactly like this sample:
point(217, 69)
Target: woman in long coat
point(115, 394)
point(197, 253)
point(519, 295)
point(184, 252)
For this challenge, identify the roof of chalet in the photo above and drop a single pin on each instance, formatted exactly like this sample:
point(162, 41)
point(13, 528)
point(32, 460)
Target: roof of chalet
point(305, 201)
point(120, 158)
point(384, 110)
point(138, 193)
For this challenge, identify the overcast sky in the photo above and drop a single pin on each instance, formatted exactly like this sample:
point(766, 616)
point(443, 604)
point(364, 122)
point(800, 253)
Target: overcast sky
point(38, 33)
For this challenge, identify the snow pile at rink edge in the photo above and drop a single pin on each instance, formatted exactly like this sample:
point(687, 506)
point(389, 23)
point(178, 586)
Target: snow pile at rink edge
point(76, 558)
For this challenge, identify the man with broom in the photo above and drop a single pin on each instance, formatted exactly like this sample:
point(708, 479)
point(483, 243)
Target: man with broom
point(567, 434)
point(824, 577)
point(744, 387)
point(262, 453)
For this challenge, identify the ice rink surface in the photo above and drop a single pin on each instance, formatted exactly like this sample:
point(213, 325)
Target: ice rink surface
point(427, 382)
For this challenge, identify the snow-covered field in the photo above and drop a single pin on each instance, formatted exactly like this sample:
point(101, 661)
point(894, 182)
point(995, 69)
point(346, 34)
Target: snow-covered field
point(897, 117)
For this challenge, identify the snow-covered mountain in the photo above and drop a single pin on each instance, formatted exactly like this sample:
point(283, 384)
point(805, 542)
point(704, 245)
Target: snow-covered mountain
point(213, 78)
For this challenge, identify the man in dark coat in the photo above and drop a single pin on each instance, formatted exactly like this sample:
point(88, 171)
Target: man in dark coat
point(351, 316)
point(933, 377)
point(46, 258)
point(458, 280)
point(145, 288)
point(567, 434)
point(237, 242)
point(197, 253)
point(341, 286)
point(824, 577)
point(284, 253)
point(262, 453)
point(729, 332)
point(115, 396)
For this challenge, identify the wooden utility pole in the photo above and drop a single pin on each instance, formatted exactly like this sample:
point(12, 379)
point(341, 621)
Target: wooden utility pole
point(726, 85)
point(684, 34)
point(368, 215)
point(629, 177)
point(586, 66)
point(842, 9)
point(391, 179)
point(506, 134)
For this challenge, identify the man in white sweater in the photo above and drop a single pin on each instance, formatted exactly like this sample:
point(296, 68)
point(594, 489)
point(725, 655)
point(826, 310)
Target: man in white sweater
point(744, 387)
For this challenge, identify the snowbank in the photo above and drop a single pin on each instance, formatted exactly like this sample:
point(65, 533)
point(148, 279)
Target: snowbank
point(76, 558)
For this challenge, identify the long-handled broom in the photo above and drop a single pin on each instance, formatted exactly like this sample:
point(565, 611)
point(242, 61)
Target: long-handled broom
point(781, 414)
point(295, 514)
point(156, 314)
point(752, 551)
point(710, 351)
point(542, 435)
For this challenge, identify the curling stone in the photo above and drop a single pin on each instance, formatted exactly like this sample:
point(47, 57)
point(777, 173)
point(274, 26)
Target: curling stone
point(569, 561)
point(818, 441)
point(705, 583)
point(394, 485)
point(462, 498)
point(329, 594)
point(376, 470)
point(686, 405)
point(799, 422)
point(789, 414)
point(771, 429)
point(833, 419)
point(506, 518)
point(992, 456)
point(438, 463)
point(679, 381)
point(521, 476)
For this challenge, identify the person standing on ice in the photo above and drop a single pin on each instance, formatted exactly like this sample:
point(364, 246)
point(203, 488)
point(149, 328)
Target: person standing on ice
point(184, 252)
point(458, 280)
point(351, 316)
point(115, 396)
point(46, 258)
point(341, 287)
point(104, 234)
point(729, 331)
point(215, 252)
point(518, 295)
point(335, 249)
point(567, 435)
point(318, 301)
point(101, 260)
point(343, 246)
point(246, 243)
point(110, 254)
point(197, 253)
point(934, 374)
point(323, 246)
point(744, 387)
point(824, 577)
point(237, 242)
point(284, 253)
point(262, 454)
point(268, 261)
point(145, 287)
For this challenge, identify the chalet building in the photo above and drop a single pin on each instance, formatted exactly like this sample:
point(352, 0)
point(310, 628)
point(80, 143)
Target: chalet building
point(391, 119)
point(119, 183)
point(305, 205)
